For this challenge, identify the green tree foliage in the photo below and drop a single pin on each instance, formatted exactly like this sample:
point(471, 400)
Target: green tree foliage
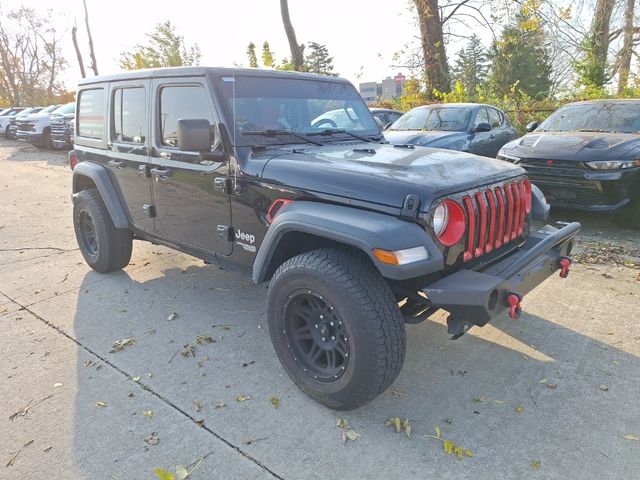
point(471, 67)
point(267, 55)
point(318, 60)
point(520, 59)
point(164, 48)
point(251, 55)
point(592, 68)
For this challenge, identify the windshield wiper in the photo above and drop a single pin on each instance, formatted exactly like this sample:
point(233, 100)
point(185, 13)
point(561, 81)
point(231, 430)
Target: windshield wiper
point(277, 132)
point(334, 131)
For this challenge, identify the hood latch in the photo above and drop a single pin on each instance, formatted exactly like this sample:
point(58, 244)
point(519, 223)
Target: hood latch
point(410, 207)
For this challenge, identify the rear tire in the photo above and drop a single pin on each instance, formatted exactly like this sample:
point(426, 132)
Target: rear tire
point(336, 327)
point(104, 247)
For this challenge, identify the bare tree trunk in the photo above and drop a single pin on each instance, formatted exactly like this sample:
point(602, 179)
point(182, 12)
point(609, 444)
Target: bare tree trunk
point(78, 54)
point(92, 54)
point(435, 56)
point(600, 39)
point(297, 58)
point(627, 47)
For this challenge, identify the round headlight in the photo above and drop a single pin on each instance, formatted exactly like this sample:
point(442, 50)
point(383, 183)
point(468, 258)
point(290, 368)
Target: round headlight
point(440, 215)
point(449, 222)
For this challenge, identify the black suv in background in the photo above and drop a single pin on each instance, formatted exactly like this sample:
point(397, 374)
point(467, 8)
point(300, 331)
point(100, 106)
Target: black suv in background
point(356, 237)
point(586, 156)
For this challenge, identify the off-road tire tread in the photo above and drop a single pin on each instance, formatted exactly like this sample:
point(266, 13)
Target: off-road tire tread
point(115, 244)
point(366, 288)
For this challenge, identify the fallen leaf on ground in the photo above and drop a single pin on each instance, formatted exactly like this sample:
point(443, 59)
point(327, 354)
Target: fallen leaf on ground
point(525, 357)
point(182, 472)
point(47, 448)
point(350, 435)
point(26, 444)
point(396, 423)
point(406, 426)
point(12, 459)
point(220, 405)
point(122, 344)
point(188, 351)
point(552, 386)
point(604, 388)
point(246, 364)
point(101, 404)
point(536, 464)
point(162, 474)
point(450, 447)
point(630, 436)
point(22, 412)
point(136, 378)
point(89, 363)
point(275, 401)
point(519, 409)
point(148, 413)
point(172, 316)
point(197, 405)
point(544, 380)
point(342, 423)
point(242, 398)
point(606, 275)
point(202, 360)
point(56, 385)
point(152, 439)
point(202, 339)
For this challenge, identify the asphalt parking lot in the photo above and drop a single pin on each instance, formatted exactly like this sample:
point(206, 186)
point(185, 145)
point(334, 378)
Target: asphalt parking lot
point(169, 363)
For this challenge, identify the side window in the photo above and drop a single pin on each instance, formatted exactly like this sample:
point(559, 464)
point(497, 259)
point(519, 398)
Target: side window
point(495, 118)
point(129, 122)
point(481, 117)
point(90, 118)
point(394, 116)
point(180, 103)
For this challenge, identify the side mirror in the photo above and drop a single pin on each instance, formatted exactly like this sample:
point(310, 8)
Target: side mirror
point(194, 135)
point(483, 127)
point(531, 126)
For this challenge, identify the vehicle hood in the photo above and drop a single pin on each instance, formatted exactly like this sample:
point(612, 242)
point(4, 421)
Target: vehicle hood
point(426, 137)
point(579, 146)
point(384, 174)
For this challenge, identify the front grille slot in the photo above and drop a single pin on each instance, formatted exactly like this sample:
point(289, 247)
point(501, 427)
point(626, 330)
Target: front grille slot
point(495, 217)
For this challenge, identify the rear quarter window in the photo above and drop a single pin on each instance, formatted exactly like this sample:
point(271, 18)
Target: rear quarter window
point(90, 115)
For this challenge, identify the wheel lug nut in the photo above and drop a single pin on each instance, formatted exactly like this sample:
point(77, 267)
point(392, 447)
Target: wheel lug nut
point(321, 317)
point(333, 338)
point(316, 325)
point(331, 323)
point(324, 339)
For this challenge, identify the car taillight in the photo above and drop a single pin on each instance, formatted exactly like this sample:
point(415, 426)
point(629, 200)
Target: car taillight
point(449, 222)
point(276, 207)
point(73, 159)
point(527, 195)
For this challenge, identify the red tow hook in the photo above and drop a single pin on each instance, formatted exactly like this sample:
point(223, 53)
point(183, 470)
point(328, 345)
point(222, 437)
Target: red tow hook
point(565, 263)
point(513, 299)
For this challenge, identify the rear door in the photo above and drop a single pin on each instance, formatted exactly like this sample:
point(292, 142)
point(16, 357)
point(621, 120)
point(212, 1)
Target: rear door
point(128, 148)
point(192, 205)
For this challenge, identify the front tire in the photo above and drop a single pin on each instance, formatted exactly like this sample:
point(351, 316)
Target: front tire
point(336, 327)
point(104, 247)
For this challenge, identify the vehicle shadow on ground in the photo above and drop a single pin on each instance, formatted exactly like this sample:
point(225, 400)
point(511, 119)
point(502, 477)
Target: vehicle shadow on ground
point(471, 388)
point(25, 152)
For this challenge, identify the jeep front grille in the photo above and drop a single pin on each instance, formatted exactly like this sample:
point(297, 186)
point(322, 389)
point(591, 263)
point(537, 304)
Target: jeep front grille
point(495, 216)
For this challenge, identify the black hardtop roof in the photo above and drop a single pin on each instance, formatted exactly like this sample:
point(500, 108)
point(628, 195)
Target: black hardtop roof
point(205, 71)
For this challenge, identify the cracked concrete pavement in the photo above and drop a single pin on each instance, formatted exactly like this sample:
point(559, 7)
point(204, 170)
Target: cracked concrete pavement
point(571, 363)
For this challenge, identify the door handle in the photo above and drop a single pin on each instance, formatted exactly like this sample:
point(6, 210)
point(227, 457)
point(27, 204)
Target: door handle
point(117, 163)
point(161, 172)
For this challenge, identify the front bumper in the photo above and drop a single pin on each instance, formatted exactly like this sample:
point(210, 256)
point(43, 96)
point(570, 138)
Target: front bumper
point(21, 135)
point(598, 191)
point(475, 297)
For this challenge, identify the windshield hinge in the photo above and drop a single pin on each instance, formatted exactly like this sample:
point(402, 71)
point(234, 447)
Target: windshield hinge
point(410, 207)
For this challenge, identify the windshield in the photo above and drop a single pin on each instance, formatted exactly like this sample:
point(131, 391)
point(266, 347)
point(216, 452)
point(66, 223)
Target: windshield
point(64, 109)
point(302, 106)
point(595, 117)
point(451, 119)
point(49, 109)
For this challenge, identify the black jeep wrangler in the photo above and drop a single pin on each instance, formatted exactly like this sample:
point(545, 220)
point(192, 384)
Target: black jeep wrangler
point(356, 237)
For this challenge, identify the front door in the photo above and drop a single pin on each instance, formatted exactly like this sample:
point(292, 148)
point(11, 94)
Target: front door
point(190, 198)
point(128, 148)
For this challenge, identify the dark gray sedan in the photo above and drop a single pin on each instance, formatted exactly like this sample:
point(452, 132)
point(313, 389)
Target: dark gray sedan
point(467, 127)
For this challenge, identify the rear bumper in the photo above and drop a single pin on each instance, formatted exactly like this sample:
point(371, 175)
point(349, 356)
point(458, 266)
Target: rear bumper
point(475, 297)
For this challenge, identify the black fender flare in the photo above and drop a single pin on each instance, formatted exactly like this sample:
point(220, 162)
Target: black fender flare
point(354, 227)
point(100, 177)
point(539, 206)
